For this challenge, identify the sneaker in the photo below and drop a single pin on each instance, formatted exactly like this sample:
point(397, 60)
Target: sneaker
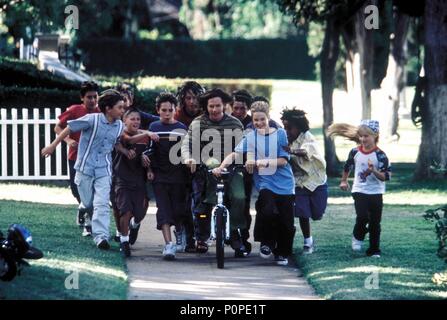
point(117, 236)
point(180, 240)
point(125, 249)
point(308, 249)
point(265, 252)
point(241, 252)
point(87, 232)
point(103, 245)
point(373, 254)
point(169, 251)
point(190, 247)
point(356, 244)
point(202, 247)
point(211, 242)
point(247, 246)
point(281, 261)
point(133, 234)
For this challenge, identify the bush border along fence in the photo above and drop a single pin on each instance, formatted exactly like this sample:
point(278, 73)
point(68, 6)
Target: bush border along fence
point(232, 58)
point(14, 72)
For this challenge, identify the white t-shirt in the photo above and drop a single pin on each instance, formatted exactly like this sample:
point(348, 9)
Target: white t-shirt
point(367, 182)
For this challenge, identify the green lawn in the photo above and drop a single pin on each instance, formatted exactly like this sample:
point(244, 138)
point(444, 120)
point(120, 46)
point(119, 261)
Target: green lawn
point(408, 244)
point(101, 274)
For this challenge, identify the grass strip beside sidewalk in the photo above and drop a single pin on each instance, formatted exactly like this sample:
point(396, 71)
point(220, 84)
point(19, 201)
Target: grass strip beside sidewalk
point(404, 271)
point(69, 259)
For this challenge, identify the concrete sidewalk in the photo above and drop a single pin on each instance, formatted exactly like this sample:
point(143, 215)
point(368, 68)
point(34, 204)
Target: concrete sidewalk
point(196, 276)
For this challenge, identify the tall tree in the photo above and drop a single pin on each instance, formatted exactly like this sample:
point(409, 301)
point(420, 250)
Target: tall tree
point(247, 19)
point(25, 18)
point(336, 16)
point(433, 148)
point(328, 59)
point(394, 82)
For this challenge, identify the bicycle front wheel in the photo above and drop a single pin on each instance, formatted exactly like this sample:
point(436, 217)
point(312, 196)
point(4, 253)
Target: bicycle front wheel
point(220, 237)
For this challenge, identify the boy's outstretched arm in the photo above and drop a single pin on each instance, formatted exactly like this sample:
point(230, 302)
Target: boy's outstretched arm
point(71, 142)
point(48, 150)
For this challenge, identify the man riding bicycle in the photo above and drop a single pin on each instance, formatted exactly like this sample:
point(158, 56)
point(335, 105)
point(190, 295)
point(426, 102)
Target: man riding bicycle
point(214, 135)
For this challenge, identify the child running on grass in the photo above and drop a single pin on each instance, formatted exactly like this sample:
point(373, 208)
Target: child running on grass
point(130, 178)
point(89, 97)
point(99, 134)
point(169, 178)
point(309, 170)
point(273, 178)
point(371, 170)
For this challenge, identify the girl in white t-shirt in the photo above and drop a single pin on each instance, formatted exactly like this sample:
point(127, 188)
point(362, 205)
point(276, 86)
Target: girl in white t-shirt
point(371, 170)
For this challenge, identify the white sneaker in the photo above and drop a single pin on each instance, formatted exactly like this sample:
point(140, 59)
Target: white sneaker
point(169, 251)
point(281, 261)
point(308, 249)
point(356, 244)
point(180, 240)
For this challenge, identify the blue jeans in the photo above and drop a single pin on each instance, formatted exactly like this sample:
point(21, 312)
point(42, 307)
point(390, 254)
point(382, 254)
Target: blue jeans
point(95, 192)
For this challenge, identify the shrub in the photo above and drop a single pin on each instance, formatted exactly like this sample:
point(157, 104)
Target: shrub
point(232, 58)
point(25, 97)
point(15, 72)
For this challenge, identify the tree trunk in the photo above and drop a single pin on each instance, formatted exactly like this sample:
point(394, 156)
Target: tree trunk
point(128, 19)
point(393, 83)
point(365, 46)
point(328, 59)
point(433, 148)
point(359, 46)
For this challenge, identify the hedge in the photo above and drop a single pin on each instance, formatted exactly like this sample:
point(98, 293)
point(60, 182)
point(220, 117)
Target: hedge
point(233, 58)
point(19, 97)
point(15, 72)
point(25, 97)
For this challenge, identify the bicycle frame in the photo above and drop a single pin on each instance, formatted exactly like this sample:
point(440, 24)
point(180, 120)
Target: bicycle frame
point(221, 206)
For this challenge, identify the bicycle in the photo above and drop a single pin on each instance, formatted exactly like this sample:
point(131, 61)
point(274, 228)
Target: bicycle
point(14, 248)
point(220, 216)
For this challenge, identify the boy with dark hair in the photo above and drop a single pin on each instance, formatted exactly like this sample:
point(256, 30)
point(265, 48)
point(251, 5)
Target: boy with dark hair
point(89, 97)
point(241, 105)
point(188, 104)
point(169, 177)
point(242, 101)
point(129, 180)
point(145, 120)
point(226, 132)
point(188, 109)
point(129, 96)
point(99, 134)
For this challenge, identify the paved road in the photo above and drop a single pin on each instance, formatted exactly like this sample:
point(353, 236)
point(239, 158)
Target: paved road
point(194, 276)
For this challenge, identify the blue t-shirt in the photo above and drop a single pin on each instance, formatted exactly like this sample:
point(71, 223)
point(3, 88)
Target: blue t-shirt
point(278, 180)
point(165, 161)
point(147, 119)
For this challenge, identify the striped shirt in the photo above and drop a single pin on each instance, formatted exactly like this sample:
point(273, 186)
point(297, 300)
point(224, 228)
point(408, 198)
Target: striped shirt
point(206, 138)
point(98, 138)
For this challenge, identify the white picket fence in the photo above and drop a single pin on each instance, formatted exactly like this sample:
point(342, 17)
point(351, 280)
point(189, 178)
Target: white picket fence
point(16, 158)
